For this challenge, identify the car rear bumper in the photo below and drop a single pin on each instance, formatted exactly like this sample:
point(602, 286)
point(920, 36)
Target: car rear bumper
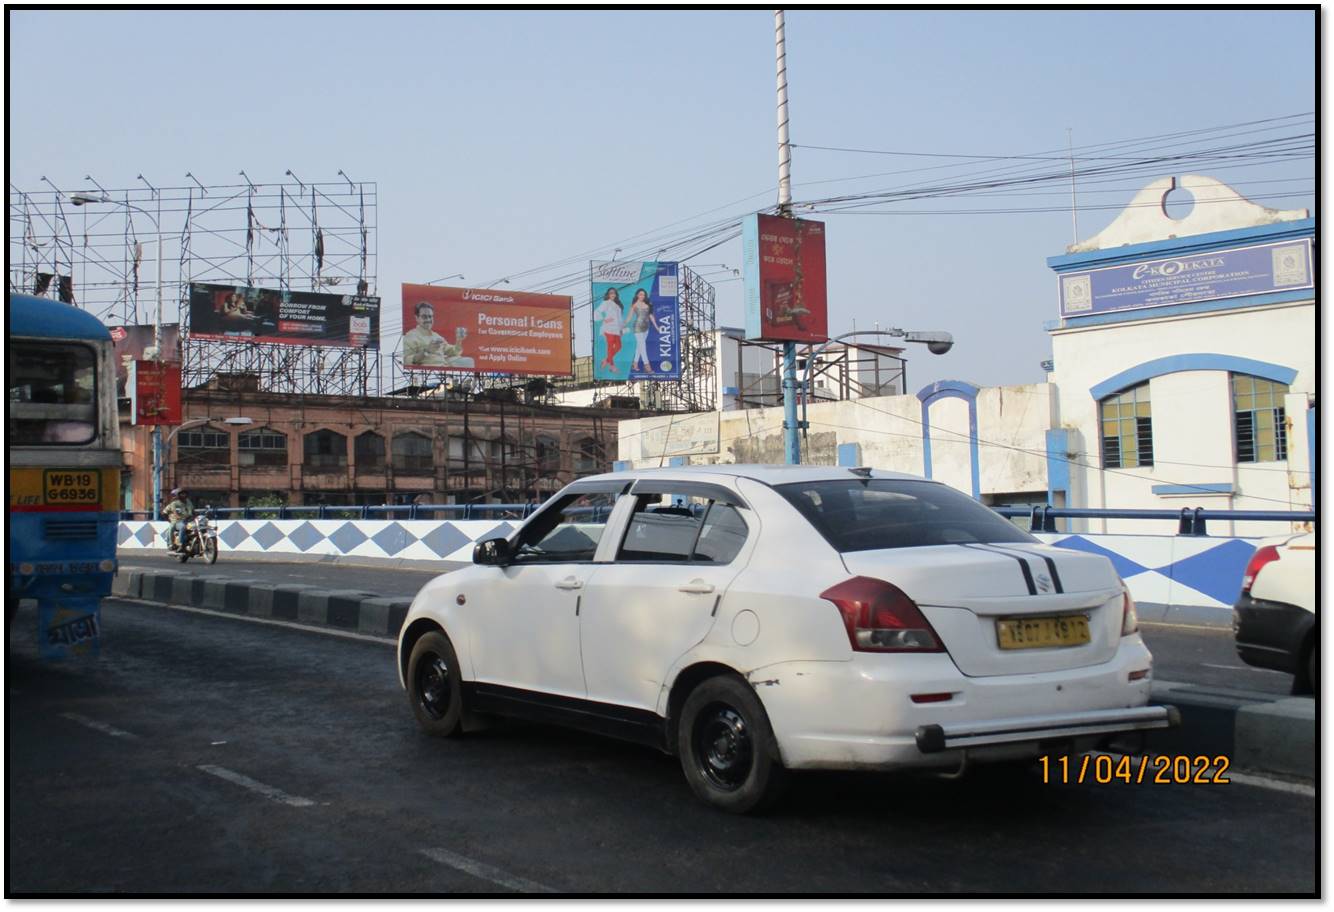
point(1270, 634)
point(860, 714)
point(932, 739)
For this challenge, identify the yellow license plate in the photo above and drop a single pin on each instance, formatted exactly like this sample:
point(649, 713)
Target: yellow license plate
point(1039, 632)
point(72, 487)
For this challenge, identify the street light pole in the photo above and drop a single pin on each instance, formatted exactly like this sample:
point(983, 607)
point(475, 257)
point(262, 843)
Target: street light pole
point(791, 437)
point(80, 199)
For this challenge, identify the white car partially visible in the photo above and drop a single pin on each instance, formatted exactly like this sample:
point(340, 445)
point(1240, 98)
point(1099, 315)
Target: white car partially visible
point(1274, 619)
point(760, 619)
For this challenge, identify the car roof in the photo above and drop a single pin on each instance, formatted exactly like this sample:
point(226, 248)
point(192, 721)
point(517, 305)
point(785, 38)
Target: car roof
point(767, 474)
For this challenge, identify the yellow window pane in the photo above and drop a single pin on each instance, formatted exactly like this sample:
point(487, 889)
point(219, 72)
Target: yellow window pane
point(1265, 454)
point(1110, 428)
point(1142, 409)
point(1245, 402)
point(1264, 420)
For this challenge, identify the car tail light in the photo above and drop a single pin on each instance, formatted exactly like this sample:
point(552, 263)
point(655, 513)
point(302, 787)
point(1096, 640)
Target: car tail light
point(1129, 619)
point(879, 617)
point(1258, 559)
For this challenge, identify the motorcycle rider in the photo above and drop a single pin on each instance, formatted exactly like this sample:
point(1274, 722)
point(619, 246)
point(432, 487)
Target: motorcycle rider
point(178, 511)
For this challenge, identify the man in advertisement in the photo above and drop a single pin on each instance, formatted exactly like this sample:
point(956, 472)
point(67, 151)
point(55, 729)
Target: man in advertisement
point(424, 347)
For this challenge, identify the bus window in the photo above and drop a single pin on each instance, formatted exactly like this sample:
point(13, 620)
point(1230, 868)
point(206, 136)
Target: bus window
point(52, 393)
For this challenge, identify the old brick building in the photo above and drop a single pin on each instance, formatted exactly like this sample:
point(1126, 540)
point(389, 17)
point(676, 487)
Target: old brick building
point(311, 449)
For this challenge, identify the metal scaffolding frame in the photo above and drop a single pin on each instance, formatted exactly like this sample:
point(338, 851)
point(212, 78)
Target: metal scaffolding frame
point(847, 371)
point(290, 235)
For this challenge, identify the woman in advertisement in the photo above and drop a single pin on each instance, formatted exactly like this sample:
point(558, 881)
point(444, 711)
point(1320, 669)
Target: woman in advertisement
point(612, 314)
point(641, 318)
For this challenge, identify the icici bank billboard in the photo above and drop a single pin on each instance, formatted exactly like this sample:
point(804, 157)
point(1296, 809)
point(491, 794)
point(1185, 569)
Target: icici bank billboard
point(485, 329)
point(784, 266)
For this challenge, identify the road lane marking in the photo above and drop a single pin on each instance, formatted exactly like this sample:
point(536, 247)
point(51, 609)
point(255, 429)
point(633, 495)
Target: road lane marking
point(1276, 785)
point(267, 791)
point(486, 872)
point(98, 726)
point(1264, 782)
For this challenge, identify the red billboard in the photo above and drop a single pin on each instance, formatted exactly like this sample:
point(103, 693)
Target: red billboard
point(155, 392)
point(784, 260)
point(485, 329)
point(131, 342)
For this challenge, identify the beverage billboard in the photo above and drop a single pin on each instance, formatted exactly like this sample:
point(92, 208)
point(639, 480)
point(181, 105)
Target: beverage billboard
point(242, 313)
point(485, 329)
point(636, 320)
point(784, 267)
point(155, 392)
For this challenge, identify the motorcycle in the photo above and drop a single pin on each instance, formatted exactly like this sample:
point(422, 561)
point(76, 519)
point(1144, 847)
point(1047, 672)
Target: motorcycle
point(201, 540)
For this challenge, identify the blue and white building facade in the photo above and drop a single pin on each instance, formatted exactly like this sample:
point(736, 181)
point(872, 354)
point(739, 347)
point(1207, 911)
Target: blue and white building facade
point(1184, 360)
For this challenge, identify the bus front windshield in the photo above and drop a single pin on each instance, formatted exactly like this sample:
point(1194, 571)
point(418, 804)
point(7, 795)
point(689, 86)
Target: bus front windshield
point(52, 393)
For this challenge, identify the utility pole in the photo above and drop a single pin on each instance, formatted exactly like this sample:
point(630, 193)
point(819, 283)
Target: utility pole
point(791, 437)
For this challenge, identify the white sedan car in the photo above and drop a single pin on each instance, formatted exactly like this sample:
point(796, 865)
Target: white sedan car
point(760, 619)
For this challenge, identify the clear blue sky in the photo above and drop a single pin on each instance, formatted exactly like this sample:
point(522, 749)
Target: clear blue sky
point(504, 140)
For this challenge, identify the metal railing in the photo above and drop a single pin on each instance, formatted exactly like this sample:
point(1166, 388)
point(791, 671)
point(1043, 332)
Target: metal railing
point(1042, 518)
point(1190, 521)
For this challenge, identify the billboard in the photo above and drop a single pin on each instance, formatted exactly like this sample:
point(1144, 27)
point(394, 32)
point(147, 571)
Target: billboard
point(1232, 273)
point(155, 392)
point(784, 266)
point(636, 320)
point(482, 329)
point(130, 343)
point(242, 313)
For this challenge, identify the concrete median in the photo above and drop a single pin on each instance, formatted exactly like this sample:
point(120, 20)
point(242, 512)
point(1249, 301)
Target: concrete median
point(341, 609)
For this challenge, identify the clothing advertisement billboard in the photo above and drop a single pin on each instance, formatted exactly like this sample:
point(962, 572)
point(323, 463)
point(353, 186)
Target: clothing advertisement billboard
point(636, 320)
point(241, 313)
point(482, 329)
point(130, 343)
point(784, 269)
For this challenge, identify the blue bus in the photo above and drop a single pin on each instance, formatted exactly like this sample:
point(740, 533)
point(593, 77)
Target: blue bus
point(64, 470)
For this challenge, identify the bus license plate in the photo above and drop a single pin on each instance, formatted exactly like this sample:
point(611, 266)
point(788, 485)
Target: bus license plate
point(1039, 632)
point(72, 487)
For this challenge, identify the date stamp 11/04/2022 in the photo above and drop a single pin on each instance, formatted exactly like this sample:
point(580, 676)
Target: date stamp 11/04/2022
point(1159, 769)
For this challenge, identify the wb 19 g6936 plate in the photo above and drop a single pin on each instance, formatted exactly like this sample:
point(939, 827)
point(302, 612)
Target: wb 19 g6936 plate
point(1039, 632)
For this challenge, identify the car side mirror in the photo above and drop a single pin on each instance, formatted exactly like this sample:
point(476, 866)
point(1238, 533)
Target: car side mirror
point(493, 551)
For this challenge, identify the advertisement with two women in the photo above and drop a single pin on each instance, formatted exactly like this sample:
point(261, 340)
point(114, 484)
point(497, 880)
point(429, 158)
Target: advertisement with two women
point(636, 320)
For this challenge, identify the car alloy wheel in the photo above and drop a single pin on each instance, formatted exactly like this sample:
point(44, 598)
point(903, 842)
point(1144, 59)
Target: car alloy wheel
point(724, 751)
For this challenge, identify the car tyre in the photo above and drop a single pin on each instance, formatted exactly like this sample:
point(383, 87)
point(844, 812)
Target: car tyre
point(434, 685)
point(727, 747)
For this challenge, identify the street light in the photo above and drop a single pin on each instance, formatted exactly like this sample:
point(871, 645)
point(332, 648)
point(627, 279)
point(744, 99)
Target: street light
point(83, 199)
point(936, 341)
point(238, 421)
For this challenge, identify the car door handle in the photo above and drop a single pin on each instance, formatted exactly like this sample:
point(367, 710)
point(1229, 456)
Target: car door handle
point(698, 587)
point(570, 582)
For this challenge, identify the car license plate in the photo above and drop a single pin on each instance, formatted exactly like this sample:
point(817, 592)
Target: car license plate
point(72, 487)
point(1039, 632)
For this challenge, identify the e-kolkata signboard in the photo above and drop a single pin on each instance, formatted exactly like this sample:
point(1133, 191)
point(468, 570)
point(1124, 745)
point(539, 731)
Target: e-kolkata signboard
point(784, 271)
point(1230, 273)
point(485, 330)
point(241, 313)
point(636, 320)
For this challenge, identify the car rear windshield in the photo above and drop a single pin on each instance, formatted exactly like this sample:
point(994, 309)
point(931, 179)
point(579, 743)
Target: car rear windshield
point(873, 513)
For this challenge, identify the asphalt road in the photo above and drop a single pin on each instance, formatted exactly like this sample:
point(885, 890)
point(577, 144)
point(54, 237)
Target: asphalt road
point(202, 754)
point(1196, 655)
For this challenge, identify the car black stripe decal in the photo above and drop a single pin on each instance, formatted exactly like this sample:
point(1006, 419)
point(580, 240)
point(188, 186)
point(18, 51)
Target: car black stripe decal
point(1051, 564)
point(1023, 564)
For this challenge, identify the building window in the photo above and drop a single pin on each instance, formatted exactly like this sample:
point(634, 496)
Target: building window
point(370, 451)
point(1127, 429)
point(325, 450)
point(548, 454)
point(204, 446)
point(412, 453)
point(1260, 419)
point(589, 456)
point(262, 447)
